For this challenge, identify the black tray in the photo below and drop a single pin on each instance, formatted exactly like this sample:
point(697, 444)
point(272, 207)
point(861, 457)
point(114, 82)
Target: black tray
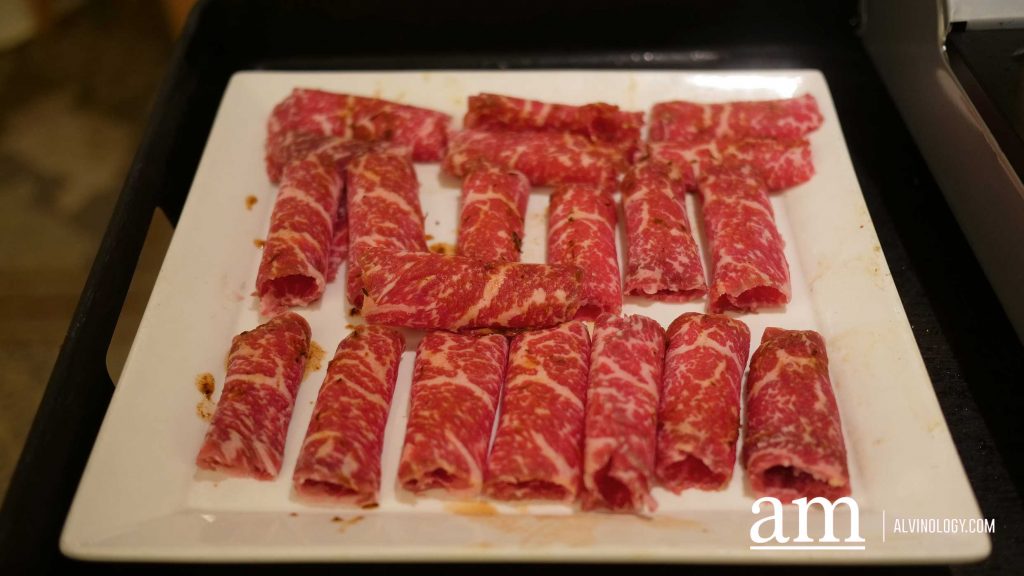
point(970, 350)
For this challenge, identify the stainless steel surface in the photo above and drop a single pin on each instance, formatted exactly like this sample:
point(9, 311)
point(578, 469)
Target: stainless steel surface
point(986, 14)
point(905, 41)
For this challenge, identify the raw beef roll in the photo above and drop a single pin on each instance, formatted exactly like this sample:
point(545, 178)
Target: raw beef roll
point(662, 258)
point(339, 461)
point(793, 439)
point(455, 389)
point(383, 212)
point(581, 233)
point(622, 413)
point(265, 366)
point(693, 123)
point(748, 267)
point(436, 292)
point(538, 449)
point(493, 208)
point(699, 417)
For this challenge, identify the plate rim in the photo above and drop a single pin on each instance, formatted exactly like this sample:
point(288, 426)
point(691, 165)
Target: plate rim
point(82, 549)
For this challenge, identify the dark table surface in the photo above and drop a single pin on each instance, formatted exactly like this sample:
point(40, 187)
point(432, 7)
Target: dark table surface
point(972, 354)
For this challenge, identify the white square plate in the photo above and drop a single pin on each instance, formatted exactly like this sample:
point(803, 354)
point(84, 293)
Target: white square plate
point(140, 497)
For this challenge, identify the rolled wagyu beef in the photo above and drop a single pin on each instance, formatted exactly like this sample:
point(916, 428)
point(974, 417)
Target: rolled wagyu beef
point(662, 258)
point(581, 233)
point(455, 389)
point(793, 439)
point(695, 123)
point(265, 367)
point(597, 121)
point(781, 164)
point(626, 362)
point(339, 462)
point(383, 212)
point(538, 449)
point(493, 208)
point(545, 158)
point(699, 416)
point(308, 114)
point(431, 291)
point(749, 270)
point(301, 244)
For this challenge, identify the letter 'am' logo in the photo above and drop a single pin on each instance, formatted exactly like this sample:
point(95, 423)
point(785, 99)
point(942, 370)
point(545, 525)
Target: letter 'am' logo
point(768, 533)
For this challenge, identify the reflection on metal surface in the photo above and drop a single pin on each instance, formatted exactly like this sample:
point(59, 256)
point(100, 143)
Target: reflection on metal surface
point(986, 14)
point(905, 41)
